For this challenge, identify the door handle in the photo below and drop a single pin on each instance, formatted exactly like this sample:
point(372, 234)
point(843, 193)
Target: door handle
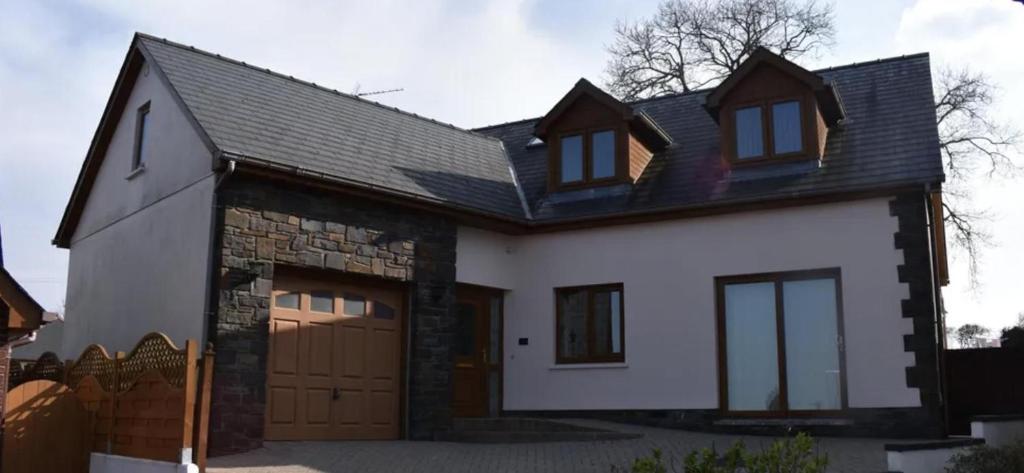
point(483, 356)
point(335, 394)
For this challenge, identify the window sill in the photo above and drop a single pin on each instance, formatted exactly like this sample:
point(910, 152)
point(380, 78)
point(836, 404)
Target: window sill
point(588, 366)
point(136, 172)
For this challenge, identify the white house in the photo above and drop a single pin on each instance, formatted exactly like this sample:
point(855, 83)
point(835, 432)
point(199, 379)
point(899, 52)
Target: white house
point(767, 253)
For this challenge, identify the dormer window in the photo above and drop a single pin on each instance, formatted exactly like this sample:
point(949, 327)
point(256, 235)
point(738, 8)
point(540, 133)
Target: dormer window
point(587, 157)
point(572, 159)
point(771, 110)
point(749, 133)
point(595, 140)
point(602, 154)
point(784, 133)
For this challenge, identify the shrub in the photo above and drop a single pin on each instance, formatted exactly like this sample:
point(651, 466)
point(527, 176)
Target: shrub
point(793, 455)
point(985, 459)
point(651, 464)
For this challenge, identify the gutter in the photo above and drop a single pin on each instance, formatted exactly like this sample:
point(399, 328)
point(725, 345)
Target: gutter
point(528, 224)
point(213, 252)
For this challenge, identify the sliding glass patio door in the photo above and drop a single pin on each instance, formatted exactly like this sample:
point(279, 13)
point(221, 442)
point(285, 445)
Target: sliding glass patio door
point(780, 342)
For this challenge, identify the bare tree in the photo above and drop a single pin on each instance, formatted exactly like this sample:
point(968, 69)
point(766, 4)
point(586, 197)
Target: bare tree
point(970, 335)
point(689, 44)
point(973, 145)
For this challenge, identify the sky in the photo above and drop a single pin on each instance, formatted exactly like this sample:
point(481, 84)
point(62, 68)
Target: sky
point(470, 63)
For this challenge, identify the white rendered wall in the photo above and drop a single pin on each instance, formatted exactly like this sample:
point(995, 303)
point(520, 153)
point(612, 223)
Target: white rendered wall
point(668, 271)
point(138, 259)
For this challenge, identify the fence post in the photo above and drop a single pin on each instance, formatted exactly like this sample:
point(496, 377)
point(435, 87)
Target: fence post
point(115, 388)
point(202, 426)
point(188, 418)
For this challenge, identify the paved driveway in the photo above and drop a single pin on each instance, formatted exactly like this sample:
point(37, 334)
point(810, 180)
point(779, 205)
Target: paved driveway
point(845, 455)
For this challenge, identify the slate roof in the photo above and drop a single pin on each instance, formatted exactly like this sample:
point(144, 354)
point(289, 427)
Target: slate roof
point(275, 119)
point(888, 139)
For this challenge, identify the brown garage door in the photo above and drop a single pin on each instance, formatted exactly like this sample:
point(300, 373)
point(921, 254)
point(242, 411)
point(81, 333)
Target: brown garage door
point(334, 362)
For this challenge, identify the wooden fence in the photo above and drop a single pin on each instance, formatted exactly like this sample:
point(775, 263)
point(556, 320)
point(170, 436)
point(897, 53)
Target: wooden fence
point(48, 366)
point(150, 403)
point(983, 381)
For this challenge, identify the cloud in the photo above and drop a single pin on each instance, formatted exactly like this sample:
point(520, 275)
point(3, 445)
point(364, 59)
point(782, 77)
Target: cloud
point(984, 36)
point(471, 63)
point(467, 62)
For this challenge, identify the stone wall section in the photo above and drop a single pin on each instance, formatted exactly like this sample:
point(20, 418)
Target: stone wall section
point(267, 226)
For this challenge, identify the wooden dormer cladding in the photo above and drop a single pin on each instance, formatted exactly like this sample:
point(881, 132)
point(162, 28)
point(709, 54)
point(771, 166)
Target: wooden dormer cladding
point(768, 92)
point(596, 127)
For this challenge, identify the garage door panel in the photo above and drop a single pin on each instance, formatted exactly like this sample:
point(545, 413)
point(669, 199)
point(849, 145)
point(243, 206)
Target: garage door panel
point(285, 339)
point(281, 404)
point(351, 407)
point(352, 351)
point(318, 406)
point(381, 385)
point(382, 347)
point(334, 366)
point(321, 340)
point(382, 407)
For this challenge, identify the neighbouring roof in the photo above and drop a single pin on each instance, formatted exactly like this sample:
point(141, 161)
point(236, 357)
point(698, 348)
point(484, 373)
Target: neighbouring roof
point(887, 140)
point(12, 295)
point(258, 117)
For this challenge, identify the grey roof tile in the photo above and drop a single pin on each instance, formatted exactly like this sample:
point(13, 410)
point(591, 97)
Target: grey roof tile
point(889, 138)
point(266, 116)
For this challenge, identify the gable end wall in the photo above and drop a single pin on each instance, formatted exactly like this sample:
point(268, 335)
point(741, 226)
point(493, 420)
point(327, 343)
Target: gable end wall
point(138, 258)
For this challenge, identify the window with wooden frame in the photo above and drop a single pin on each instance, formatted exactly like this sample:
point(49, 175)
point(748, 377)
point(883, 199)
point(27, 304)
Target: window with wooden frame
point(141, 151)
point(587, 157)
point(590, 324)
point(780, 341)
point(768, 130)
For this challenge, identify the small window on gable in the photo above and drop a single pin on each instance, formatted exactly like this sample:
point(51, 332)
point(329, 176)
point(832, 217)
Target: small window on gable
point(749, 133)
point(786, 135)
point(141, 151)
point(572, 159)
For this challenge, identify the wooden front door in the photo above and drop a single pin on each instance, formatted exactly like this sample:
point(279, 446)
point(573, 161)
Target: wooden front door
point(334, 362)
point(477, 352)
